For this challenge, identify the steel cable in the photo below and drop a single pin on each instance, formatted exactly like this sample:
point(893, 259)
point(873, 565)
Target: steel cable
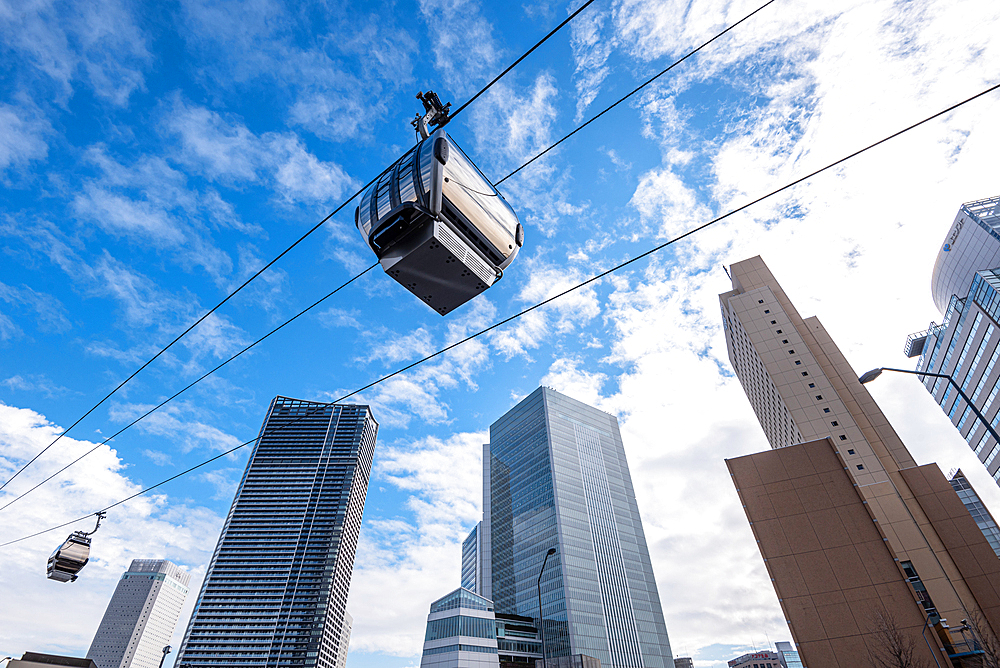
point(282, 254)
point(590, 280)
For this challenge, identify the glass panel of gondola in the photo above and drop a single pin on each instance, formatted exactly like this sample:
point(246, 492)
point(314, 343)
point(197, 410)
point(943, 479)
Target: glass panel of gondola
point(425, 158)
point(364, 212)
point(407, 193)
point(472, 194)
point(384, 201)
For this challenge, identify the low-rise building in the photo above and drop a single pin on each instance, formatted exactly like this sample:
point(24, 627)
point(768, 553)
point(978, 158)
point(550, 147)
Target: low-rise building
point(765, 659)
point(38, 660)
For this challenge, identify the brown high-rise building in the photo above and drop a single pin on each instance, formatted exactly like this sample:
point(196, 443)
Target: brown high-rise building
point(867, 551)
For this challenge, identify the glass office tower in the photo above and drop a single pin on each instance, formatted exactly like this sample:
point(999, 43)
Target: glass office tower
point(276, 588)
point(965, 286)
point(556, 477)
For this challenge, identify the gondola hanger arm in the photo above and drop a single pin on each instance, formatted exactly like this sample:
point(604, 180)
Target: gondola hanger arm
point(435, 114)
point(100, 516)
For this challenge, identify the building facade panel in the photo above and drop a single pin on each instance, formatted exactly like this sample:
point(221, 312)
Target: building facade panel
point(559, 479)
point(906, 567)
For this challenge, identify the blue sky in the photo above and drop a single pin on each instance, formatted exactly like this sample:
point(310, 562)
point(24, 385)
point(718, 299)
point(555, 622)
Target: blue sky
point(153, 156)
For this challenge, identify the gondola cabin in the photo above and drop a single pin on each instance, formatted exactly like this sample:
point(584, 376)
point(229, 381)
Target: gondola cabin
point(69, 558)
point(438, 226)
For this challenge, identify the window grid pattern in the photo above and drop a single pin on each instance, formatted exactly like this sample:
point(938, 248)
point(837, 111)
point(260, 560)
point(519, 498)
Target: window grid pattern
point(951, 344)
point(961, 361)
point(984, 520)
point(773, 414)
point(277, 585)
point(622, 638)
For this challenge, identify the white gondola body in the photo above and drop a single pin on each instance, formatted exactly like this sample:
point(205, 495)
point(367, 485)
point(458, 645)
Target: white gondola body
point(438, 226)
point(69, 558)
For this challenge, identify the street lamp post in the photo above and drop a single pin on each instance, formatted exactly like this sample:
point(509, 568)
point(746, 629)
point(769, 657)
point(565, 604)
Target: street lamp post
point(875, 373)
point(541, 619)
point(166, 650)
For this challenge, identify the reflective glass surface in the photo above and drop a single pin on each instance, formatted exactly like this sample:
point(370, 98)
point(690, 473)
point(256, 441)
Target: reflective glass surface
point(475, 196)
point(460, 625)
point(559, 479)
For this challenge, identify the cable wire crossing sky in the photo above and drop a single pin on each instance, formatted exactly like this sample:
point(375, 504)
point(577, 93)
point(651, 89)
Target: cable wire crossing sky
point(155, 158)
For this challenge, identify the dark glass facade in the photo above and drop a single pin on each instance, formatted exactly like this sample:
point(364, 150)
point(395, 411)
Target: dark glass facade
point(558, 478)
point(277, 584)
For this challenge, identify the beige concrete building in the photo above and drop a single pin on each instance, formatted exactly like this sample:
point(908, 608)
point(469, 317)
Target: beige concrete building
point(865, 549)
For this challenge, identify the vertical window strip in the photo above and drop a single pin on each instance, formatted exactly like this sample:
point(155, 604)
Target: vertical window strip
point(965, 416)
point(961, 360)
point(939, 338)
point(986, 373)
point(979, 355)
point(993, 455)
point(951, 347)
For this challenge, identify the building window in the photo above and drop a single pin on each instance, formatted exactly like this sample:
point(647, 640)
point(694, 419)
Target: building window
point(805, 373)
point(826, 410)
point(850, 452)
point(774, 322)
point(819, 397)
point(812, 384)
point(791, 352)
point(760, 301)
point(784, 340)
point(767, 311)
point(777, 331)
point(843, 437)
point(834, 423)
point(797, 362)
point(861, 467)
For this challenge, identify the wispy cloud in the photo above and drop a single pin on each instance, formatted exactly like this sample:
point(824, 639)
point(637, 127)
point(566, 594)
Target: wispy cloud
point(146, 526)
point(99, 43)
point(224, 150)
point(23, 135)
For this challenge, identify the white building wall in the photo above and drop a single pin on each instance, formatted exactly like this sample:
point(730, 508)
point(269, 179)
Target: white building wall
point(141, 615)
point(971, 244)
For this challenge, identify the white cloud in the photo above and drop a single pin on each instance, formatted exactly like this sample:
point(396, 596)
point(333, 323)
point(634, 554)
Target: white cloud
point(179, 422)
point(147, 527)
point(22, 136)
point(49, 313)
point(97, 42)
point(225, 150)
point(592, 46)
point(421, 557)
point(566, 376)
point(465, 52)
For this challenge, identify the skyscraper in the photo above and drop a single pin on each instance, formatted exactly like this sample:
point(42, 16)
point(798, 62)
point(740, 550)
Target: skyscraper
point(141, 615)
point(555, 476)
point(277, 584)
point(965, 287)
point(472, 560)
point(860, 543)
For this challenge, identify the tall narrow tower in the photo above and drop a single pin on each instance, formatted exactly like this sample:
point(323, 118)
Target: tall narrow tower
point(141, 616)
point(861, 544)
point(276, 588)
point(556, 477)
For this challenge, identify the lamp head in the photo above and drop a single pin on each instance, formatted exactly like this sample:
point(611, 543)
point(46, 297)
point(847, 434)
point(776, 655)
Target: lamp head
point(869, 376)
point(551, 551)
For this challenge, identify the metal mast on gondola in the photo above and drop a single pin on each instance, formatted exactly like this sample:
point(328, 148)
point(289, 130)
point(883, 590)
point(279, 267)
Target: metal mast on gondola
point(435, 222)
point(72, 555)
